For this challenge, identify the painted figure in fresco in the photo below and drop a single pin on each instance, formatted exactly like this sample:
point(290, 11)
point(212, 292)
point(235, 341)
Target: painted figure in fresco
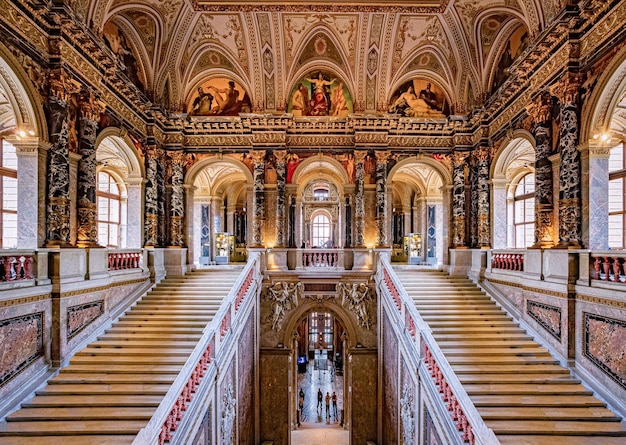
point(228, 104)
point(338, 101)
point(429, 97)
point(319, 102)
point(300, 101)
point(202, 104)
point(410, 105)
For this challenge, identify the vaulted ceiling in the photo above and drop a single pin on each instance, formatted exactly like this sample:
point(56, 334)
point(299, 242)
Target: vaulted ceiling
point(172, 47)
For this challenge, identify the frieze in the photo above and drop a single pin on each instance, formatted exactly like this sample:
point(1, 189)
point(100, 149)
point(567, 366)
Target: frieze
point(421, 141)
point(530, 289)
point(603, 31)
point(320, 140)
point(218, 141)
point(370, 138)
point(24, 300)
point(269, 137)
point(599, 300)
point(22, 25)
point(320, 6)
point(75, 293)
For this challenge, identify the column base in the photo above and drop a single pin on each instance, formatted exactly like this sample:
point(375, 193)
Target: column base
point(542, 245)
point(59, 245)
point(89, 245)
point(570, 245)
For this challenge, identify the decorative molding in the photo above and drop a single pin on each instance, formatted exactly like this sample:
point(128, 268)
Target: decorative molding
point(599, 300)
point(530, 289)
point(24, 300)
point(99, 288)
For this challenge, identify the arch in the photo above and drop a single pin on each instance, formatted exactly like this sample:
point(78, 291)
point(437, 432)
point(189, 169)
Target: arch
point(514, 148)
point(196, 170)
point(604, 98)
point(445, 174)
point(317, 65)
point(22, 95)
point(307, 306)
point(326, 167)
point(445, 84)
point(114, 145)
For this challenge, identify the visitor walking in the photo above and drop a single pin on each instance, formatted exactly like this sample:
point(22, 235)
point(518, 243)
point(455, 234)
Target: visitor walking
point(320, 397)
point(327, 405)
point(334, 399)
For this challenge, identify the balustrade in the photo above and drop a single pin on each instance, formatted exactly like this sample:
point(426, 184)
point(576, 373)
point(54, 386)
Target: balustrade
point(320, 258)
point(124, 260)
point(16, 267)
point(508, 261)
point(608, 268)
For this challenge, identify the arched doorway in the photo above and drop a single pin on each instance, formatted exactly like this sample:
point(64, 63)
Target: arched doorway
point(319, 380)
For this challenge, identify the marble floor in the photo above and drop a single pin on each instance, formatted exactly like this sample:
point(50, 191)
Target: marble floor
point(318, 427)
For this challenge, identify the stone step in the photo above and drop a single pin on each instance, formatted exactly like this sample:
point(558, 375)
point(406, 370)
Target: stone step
point(125, 400)
point(93, 350)
point(140, 343)
point(167, 318)
point(525, 368)
point(104, 389)
point(66, 427)
point(548, 413)
point(470, 323)
point(484, 329)
point(501, 360)
point(550, 427)
point(82, 413)
point(465, 318)
point(147, 322)
point(117, 368)
point(482, 344)
point(556, 390)
point(157, 336)
point(473, 336)
point(556, 439)
point(152, 329)
point(104, 360)
point(104, 378)
point(460, 350)
point(564, 377)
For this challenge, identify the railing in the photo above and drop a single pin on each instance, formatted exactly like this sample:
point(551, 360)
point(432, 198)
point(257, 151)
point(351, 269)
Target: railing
point(453, 397)
point(16, 267)
point(507, 261)
point(321, 258)
point(608, 267)
point(200, 364)
point(124, 260)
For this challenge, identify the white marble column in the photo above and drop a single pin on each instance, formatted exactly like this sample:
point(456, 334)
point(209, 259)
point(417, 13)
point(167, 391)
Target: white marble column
point(596, 204)
point(498, 213)
point(27, 192)
point(134, 218)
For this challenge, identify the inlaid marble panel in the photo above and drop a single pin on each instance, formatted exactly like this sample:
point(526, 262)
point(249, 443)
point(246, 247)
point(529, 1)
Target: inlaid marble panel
point(81, 316)
point(548, 317)
point(245, 397)
point(390, 382)
point(21, 343)
point(603, 343)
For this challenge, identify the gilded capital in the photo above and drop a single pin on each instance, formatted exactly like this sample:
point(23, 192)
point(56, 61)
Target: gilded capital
point(359, 156)
point(280, 155)
point(567, 90)
point(90, 107)
point(258, 156)
point(62, 85)
point(541, 109)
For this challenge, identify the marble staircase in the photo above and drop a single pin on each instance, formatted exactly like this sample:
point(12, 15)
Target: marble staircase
point(520, 390)
point(111, 388)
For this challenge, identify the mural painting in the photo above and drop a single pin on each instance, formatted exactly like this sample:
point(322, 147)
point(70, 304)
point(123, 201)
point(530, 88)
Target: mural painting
point(419, 98)
point(116, 41)
point(219, 97)
point(514, 47)
point(320, 95)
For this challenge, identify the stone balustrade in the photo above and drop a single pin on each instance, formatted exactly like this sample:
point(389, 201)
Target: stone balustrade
point(507, 261)
point(320, 258)
point(16, 267)
point(609, 267)
point(125, 260)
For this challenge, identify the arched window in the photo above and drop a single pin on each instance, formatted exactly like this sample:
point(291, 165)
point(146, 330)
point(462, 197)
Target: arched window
point(524, 211)
point(109, 210)
point(617, 189)
point(8, 195)
point(320, 230)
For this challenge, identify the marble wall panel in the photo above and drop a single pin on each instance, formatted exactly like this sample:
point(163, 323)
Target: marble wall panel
point(21, 343)
point(274, 396)
point(245, 387)
point(227, 406)
point(364, 370)
point(408, 398)
point(548, 317)
point(82, 315)
point(390, 382)
point(603, 343)
point(430, 434)
point(203, 436)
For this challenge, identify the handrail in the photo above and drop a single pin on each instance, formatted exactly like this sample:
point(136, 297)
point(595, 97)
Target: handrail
point(177, 399)
point(454, 398)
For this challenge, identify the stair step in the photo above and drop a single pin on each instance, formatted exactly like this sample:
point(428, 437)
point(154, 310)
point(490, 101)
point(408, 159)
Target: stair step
point(134, 400)
point(534, 351)
point(66, 428)
point(169, 351)
point(529, 439)
point(517, 378)
point(118, 368)
point(82, 413)
point(100, 439)
point(548, 413)
point(574, 401)
point(162, 343)
point(104, 389)
point(71, 377)
point(103, 360)
point(550, 427)
point(523, 368)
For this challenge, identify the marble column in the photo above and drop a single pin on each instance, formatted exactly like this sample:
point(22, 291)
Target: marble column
point(499, 213)
point(570, 214)
point(482, 170)
point(58, 200)
point(382, 239)
point(177, 199)
point(27, 192)
point(597, 154)
point(151, 203)
point(87, 212)
point(281, 223)
point(458, 201)
point(540, 112)
point(359, 198)
point(258, 203)
point(134, 213)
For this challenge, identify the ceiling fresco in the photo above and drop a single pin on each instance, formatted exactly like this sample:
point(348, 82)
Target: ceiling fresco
point(463, 48)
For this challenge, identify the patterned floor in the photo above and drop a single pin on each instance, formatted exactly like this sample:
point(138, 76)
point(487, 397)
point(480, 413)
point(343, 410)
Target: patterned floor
point(317, 426)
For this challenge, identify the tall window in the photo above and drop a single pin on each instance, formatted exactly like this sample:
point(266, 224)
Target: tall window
point(8, 194)
point(524, 211)
point(109, 206)
point(617, 210)
point(320, 230)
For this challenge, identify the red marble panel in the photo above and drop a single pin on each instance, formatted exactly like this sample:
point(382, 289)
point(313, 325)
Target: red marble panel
point(79, 317)
point(390, 382)
point(604, 344)
point(549, 317)
point(21, 343)
point(245, 388)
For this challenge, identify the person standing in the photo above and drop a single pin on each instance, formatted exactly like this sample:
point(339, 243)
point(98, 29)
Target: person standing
point(300, 404)
point(320, 397)
point(334, 399)
point(327, 405)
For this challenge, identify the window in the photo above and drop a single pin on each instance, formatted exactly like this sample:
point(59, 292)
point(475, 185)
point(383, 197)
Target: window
point(321, 194)
point(8, 194)
point(617, 209)
point(320, 228)
point(109, 206)
point(524, 211)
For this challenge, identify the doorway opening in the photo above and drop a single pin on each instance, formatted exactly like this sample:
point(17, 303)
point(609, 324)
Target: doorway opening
point(320, 396)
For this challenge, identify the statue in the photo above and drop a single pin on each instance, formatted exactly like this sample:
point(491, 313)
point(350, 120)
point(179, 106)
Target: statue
point(355, 298)
point(282, 295)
